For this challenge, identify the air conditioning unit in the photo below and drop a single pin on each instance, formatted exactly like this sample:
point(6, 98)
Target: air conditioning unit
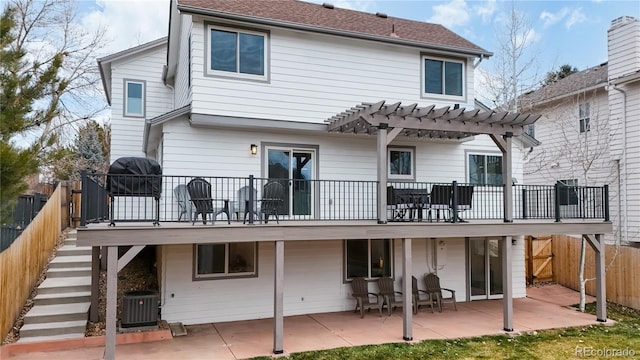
point(139, 308)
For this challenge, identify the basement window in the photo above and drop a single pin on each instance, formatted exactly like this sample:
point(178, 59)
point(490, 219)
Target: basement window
point(225, 260)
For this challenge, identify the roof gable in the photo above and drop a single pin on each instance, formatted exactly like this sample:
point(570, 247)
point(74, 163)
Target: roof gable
point(313, 17)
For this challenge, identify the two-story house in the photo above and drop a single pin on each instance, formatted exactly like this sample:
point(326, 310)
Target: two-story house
point(356, 118)
point(589, 124)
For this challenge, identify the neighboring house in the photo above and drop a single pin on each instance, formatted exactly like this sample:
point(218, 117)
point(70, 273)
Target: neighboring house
point(293, 90)
point(588, 130)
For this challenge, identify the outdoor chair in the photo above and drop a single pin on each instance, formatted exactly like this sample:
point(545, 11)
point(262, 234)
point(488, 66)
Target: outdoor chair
point(388, 293)
point(398, 202)
point(185, 206)
point(200, 193)
point(464, 199)
point(360, 291)
point(417, 299)
point(273, 196)
point(439, 199)
point(243, 202)
point(432, 282)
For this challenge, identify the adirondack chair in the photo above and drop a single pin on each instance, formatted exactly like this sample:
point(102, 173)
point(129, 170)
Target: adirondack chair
point(388, 293)
point(200, 193)
point(432, 283)
point(360, 291)
point(272, 200)
point(185, 206)
point(243, 202)
point(419, 300)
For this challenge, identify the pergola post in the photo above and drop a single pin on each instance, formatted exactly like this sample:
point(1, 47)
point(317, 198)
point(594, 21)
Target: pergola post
point(278, 299)
point(382, 173)
point(407, 291)
point(598, 246)
point(507, 284)
point(112, 300)
point(504, 144)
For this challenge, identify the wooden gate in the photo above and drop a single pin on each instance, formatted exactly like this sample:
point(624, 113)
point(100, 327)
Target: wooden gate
point(538, 256)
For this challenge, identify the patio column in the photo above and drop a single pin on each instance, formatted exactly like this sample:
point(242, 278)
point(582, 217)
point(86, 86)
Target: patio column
point(382, 173)
point(112, 301)
point(278, 299)
point(601, 290)
point(507, 284)
point(407, 293)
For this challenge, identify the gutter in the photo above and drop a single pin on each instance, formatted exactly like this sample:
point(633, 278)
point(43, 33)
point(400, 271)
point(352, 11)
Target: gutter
point(329, 31)
point(624, 163)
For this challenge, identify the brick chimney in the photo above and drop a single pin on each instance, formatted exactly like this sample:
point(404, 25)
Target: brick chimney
point(623, 44)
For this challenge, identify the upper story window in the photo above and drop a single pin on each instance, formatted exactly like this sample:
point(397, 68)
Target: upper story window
point(401, 163)
point(567, 194)
point(225, 260)
point(237, 53)
point(368, 258)
point(485, 169)
point(443, 78)
point(583, 114)
point(134, 94)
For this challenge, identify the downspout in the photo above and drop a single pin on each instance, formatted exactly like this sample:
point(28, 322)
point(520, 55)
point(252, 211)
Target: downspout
point(619, 187)
point(623, 174)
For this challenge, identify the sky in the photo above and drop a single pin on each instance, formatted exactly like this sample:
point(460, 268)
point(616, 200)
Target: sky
point(561, 32)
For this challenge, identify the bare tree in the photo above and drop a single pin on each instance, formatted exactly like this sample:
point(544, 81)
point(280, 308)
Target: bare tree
point(511, 70)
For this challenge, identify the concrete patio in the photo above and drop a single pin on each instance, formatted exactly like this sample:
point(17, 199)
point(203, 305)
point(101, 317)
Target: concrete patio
point(544, 308)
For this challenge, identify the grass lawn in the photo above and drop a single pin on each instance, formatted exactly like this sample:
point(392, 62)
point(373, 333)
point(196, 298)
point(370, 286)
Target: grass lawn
point(590, 341)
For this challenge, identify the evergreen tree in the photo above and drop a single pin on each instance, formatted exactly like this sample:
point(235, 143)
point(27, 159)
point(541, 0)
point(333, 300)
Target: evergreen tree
point(564, 71)
point(23, 83)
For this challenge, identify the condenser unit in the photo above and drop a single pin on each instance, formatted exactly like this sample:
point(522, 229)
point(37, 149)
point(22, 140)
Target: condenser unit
point(139, 308)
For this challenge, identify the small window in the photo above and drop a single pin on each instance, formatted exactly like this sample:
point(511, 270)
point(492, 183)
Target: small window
point(443, 78)
point(583, 111)
point(401, 163)
point(134, 98)
point(485, 169)
point(225, 260)
point(368, 258)
point(237, 53)
point(567, 192)
point(530, 130)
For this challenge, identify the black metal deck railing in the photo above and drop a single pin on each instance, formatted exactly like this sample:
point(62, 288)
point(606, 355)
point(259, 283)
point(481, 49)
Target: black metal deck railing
point(165, 198)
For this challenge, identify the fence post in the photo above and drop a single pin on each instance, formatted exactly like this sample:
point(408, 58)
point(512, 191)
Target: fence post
point(606, 202)
point(83, 199)
point(454, 216)
point(35, 206)
point(251, 200)
point(557, 200)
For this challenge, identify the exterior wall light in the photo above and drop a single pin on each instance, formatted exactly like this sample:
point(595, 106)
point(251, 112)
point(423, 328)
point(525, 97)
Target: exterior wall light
point(253, 149)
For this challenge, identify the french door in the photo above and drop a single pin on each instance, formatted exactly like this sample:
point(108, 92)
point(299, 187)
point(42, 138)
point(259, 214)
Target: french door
point(295, 169)
point(485, 267)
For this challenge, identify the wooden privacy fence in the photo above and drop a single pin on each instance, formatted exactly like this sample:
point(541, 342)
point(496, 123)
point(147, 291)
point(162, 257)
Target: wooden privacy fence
point(538, 259)
point(22, 263)
point(622, 266)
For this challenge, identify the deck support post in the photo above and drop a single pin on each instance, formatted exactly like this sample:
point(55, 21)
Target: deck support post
point(278, 298)
point(507, 283)
point(112, 301)
point(598, 246)
point(95, 283)
point(407, 293)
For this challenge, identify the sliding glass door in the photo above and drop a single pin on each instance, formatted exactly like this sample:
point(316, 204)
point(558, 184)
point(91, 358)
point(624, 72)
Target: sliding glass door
point(485, 266)
point(294, 168)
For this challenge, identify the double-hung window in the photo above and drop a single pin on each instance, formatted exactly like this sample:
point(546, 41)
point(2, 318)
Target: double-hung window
point(443, 78)
point(583, 114)
point(225, 260)
point(134, 94)
point(401, 163)
point(237, 53)
point(368, 258)
point(485, 169)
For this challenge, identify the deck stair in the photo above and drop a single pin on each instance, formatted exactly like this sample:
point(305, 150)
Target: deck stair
point(60, 309)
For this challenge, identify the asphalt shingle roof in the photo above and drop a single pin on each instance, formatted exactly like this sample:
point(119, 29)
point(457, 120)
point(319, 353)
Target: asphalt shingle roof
point(296, 12)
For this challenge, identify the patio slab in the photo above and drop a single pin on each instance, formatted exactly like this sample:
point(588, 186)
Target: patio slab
point(546, 308)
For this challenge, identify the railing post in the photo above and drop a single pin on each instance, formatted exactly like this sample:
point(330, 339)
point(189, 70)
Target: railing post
point(557, 200)
point(524, 203)
point(83, 199)
point(606, 202)
point(454, 216)
point(251, 200)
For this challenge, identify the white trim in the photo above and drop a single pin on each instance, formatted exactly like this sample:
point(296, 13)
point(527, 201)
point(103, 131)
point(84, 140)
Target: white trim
point(237, 74)
point(443, 96)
